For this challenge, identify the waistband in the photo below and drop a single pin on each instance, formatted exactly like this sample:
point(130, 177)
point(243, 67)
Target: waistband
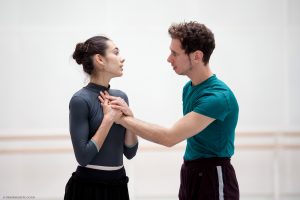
point(207, 162)
point(105, 168)
point(100, 176)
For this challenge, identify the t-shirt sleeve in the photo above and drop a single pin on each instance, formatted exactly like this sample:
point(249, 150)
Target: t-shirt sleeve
point(84, 148)
point(214, 105)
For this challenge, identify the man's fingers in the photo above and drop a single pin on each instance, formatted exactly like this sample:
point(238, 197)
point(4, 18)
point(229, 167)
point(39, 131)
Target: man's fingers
point(111, 97)
point(117, 107)
point(117, 102)
point(108, 96)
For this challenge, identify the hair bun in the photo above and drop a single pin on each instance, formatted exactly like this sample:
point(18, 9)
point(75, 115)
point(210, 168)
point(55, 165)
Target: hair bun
point(79, 53)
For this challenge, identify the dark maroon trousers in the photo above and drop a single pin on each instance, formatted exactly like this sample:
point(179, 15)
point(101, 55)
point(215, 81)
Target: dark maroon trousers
point(208, 179)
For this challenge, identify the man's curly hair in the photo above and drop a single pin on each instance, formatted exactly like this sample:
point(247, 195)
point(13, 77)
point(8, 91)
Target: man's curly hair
point(194, 36)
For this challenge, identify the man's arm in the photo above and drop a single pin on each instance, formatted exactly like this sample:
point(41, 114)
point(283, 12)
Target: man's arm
point(186, 127)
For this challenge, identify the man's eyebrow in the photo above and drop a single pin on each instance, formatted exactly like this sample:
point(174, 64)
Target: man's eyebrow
point(173, 51)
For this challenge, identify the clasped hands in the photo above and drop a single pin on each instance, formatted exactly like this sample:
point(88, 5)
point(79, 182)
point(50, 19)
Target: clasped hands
point(114, 107)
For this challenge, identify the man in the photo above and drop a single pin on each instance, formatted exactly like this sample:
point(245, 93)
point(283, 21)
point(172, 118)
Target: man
point(210, 117)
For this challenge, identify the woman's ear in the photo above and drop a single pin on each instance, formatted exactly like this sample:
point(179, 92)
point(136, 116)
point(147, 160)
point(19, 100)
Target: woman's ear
point(99, 60)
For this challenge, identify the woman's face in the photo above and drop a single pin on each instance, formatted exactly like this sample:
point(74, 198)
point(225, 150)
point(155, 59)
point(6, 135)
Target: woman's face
point(113, 62)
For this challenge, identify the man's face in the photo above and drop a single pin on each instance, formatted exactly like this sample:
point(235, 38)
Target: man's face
point(179, 60)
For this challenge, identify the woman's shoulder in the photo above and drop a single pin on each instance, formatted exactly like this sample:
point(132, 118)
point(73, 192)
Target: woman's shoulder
point(118, 93)
point(81, 95)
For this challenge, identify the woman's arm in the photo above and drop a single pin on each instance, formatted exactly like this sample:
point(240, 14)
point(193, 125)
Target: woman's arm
point(85, 149)
point(110, 115)
point(131, 140)
point(130, 144)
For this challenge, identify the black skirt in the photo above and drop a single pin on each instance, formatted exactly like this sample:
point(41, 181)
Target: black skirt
point(92, 184)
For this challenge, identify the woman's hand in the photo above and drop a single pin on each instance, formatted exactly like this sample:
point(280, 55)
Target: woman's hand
point(109, 111)
point(117, 103)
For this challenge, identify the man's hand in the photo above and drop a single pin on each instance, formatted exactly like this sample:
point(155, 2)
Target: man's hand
point(109, 111)
point(117, 103)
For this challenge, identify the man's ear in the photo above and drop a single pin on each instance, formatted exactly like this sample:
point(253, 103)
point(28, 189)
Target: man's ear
point(198, 56)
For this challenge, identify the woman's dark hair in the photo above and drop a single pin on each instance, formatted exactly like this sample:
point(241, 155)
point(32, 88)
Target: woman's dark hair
point(84, 51)
point(194, 36)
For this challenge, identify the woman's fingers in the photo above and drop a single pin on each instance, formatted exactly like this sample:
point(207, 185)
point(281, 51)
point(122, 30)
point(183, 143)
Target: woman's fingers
point(112, 99)
point(101, 99)
point(107, 96)
point(106, 102)
point(106, 93)
point(102, 95)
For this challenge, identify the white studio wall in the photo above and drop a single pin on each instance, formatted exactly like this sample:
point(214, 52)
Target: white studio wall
point(257, 45)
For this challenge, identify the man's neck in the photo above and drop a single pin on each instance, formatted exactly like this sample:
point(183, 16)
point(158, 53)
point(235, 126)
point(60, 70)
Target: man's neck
point(200, 74)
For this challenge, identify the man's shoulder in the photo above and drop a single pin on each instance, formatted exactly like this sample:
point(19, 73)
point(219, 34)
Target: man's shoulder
point(187, 85)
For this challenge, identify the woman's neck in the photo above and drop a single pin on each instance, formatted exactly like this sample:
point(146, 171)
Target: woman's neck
point(100, 80)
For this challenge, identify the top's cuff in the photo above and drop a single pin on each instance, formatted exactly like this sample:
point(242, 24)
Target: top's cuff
point(95, 143)
point(131, 146)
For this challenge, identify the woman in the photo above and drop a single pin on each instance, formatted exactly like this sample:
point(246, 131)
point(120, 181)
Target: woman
point(98, 143)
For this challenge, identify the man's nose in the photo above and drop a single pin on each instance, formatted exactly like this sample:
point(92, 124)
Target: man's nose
point(169, 59)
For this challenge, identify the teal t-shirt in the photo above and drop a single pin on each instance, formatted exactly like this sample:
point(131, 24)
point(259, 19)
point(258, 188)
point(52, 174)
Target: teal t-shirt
point(214, 99)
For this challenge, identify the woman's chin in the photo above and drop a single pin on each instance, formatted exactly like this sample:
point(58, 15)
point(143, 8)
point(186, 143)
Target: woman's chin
point(119, 74)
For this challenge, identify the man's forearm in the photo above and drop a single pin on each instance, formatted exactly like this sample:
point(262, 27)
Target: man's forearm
point(151, 132)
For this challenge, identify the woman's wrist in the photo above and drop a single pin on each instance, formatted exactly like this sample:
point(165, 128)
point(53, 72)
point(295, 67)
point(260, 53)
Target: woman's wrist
point(108, 119)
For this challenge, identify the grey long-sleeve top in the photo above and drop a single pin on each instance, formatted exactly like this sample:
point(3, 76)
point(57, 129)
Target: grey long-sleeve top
point(85, 117)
